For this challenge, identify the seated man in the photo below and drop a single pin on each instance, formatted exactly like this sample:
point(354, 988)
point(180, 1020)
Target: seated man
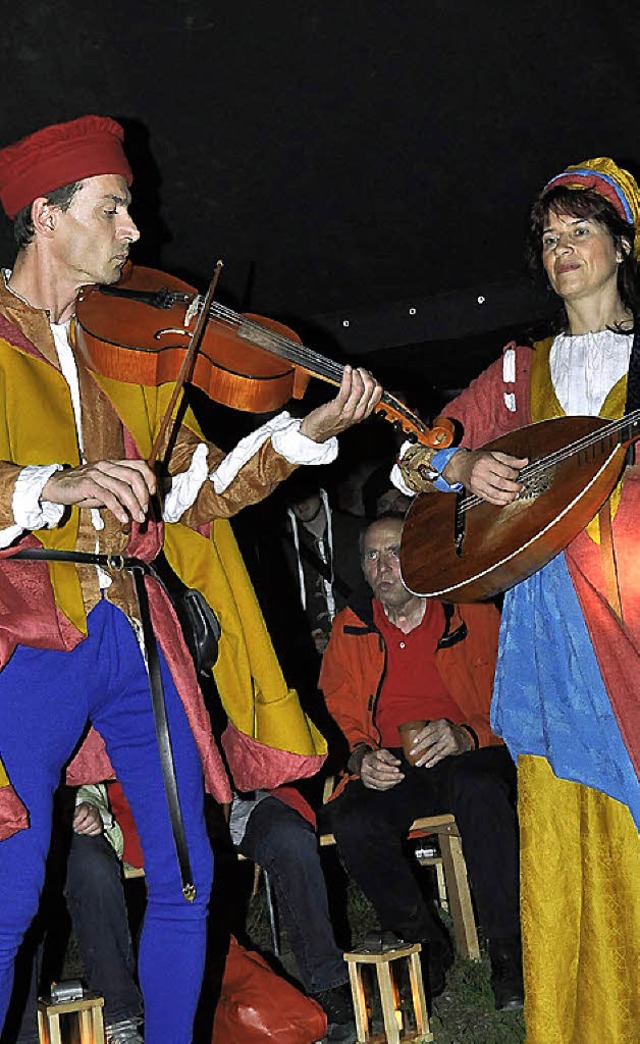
point(395, 658)
point(276, 829)
point(89, 863)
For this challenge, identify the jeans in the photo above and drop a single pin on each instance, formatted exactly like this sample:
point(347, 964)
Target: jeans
point(46, 697)
point(370, 827)
point(98, 911)
point(283, 843)
point(96, 904)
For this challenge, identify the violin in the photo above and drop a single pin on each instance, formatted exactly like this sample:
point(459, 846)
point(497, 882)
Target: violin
point(138, 331)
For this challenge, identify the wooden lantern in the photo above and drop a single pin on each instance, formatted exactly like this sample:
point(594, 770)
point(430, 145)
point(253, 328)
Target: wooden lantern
point(86, 1026)
point(393, 1029)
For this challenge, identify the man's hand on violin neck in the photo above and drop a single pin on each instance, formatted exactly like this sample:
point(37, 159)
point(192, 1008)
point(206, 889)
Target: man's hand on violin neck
point(124, 487)
point(358, 395)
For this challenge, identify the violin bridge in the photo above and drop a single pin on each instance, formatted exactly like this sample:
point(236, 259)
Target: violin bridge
point(192, 310)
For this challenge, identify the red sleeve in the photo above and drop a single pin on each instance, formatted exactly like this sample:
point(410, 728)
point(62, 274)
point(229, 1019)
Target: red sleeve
point(123, 816)
point(483, 409)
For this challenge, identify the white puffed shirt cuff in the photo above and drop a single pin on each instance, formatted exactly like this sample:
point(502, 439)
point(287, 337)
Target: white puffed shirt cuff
point(29, 511)
point(297, 448)
point(396, 474)
point(186, 486)
point(286, 439)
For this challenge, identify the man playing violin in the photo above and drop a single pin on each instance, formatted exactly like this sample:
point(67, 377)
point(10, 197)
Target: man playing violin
point(566, 692)
point(73, 479)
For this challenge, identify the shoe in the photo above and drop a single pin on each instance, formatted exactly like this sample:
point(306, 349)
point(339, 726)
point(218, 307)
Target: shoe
point(383, 942)
point(507, 982)
point(124, 1031)
point(341, 1024)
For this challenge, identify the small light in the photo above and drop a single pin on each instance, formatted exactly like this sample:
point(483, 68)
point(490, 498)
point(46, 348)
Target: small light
point(346, 322)
point(481, 299)
point(412, 311)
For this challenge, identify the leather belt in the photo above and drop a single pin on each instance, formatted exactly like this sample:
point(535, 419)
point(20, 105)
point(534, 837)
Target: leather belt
point(139, 570)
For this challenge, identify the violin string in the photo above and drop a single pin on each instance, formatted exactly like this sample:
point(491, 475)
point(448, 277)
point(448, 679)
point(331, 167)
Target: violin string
point(289, 349)
point(300, 354)
point(328, 368)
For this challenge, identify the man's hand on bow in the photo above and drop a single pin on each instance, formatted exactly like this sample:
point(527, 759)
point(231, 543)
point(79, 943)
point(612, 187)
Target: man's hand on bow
point(122, 486)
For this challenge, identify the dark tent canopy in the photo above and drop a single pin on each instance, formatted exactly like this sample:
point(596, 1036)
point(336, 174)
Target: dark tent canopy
point(363, 169)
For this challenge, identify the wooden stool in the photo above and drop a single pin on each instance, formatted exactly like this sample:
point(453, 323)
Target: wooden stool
point(455, 875)
point(428, 854)
point(88, 1029)
point(355, 960)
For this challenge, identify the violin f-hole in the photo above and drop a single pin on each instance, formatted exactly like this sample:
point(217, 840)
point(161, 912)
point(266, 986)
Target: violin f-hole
point(166, 330)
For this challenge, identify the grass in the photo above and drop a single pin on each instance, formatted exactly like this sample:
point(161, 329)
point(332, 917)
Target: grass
point(463, 1014)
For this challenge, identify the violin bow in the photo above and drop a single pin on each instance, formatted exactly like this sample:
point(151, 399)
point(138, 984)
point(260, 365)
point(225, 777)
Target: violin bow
point(187, 365)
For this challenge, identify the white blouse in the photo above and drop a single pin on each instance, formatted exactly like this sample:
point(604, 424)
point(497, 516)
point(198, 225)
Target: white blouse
point(585, 367)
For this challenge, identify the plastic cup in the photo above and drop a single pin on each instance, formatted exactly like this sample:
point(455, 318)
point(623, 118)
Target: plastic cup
point(408, 732)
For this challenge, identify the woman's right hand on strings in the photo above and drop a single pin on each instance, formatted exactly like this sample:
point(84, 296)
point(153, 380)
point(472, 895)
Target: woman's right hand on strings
point(491, 476)
point(124, 487)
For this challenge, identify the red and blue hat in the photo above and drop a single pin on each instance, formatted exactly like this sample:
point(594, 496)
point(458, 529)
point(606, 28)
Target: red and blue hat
point(605, 177)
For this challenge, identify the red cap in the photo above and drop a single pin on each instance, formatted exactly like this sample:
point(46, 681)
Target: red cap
point(58, 155)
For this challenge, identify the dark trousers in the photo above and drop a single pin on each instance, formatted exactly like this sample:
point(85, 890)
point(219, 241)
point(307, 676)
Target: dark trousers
point(283, 843)
point(96, 904)
point(370, 826)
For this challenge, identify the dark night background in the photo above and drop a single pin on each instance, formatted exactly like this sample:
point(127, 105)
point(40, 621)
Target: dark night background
point(349, 162)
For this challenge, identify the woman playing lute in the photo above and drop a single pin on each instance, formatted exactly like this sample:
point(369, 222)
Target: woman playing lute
point(566, 691)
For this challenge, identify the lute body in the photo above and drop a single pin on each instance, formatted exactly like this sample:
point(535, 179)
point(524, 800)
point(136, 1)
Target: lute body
point(461, 549)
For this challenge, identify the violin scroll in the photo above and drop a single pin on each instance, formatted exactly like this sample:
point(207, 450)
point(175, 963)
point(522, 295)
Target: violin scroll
point(414, 429)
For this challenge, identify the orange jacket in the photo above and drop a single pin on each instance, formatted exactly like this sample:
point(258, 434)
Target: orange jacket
point(354, 664)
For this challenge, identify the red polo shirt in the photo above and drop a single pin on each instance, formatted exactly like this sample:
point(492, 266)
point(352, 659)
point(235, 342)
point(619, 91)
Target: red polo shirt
point(412, 687)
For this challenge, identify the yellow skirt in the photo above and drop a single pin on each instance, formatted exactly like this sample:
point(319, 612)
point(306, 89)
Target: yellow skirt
point(580, 897)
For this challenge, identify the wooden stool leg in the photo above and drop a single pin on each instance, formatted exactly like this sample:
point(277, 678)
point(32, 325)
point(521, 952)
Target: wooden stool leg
point(98, 1025)
point(386, 996)
point(459, 897)
point(273, 914)
point(359, 1003)
point(54, 1029)
point(43, 1029)
point(85, 1019)
point(257, 870)
point(419, 1000)
point(443, 899)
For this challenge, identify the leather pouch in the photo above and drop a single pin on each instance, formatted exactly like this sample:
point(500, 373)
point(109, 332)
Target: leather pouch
point(200, 627)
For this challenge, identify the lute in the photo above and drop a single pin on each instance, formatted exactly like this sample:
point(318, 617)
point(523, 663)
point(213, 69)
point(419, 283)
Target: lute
point(460, 548)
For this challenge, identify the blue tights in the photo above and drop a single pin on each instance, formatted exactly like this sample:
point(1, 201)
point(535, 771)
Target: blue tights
point(46, 698)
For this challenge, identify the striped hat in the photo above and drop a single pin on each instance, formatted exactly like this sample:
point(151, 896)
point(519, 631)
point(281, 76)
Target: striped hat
point(603, 176)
